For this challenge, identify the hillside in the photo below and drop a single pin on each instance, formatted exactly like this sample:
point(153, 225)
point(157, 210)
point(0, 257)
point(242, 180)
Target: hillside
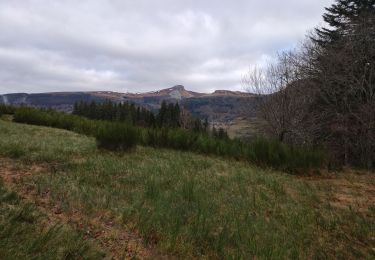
point(158, 203)
point(221, 108)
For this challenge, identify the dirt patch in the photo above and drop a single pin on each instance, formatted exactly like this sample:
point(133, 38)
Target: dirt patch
point(102, 228)
point(348, 189)
point(11, 171)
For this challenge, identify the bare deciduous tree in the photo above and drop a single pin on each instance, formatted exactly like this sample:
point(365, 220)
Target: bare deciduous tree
point(282, 100)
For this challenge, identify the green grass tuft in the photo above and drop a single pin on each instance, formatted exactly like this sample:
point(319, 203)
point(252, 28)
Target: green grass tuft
point(24, 236)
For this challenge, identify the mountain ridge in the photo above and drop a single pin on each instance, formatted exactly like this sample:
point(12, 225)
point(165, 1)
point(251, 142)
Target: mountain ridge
point(220, 107)
point(178, 88)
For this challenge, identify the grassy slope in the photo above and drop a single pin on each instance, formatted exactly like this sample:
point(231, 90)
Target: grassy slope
point(25, 234)
point(190, 205)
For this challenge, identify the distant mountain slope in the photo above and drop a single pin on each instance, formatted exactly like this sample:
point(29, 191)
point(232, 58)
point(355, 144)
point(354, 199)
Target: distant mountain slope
point(221, 107)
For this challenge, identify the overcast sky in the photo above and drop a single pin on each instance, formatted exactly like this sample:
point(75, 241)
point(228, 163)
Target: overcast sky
point(144, 45)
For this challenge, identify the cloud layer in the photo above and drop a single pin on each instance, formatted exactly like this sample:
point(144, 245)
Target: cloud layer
point(135, 46)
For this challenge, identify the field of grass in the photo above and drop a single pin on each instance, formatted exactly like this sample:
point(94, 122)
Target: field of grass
point(26, 233)
point(159, 202)
point(245, 128)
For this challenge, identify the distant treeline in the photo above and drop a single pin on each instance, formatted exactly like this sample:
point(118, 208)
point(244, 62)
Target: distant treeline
point(111, 111)
point(125, 137)
point(170, 115)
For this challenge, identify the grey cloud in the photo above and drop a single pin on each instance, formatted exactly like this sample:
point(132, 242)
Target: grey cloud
point(126, 45)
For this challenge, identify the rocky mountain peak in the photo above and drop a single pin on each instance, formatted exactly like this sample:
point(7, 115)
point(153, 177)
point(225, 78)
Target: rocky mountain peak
point(178, 88)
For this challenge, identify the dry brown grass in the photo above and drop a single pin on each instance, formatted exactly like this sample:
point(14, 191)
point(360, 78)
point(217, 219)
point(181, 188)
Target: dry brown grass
point(349, 188)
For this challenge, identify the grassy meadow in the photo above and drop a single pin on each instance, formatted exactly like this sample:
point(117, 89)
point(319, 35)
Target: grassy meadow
point(180, 204)
point(26, 233)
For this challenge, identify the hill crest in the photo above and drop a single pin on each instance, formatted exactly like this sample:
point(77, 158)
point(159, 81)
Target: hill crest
point(221, 107)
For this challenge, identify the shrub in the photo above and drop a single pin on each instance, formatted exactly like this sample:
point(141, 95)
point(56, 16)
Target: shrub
point(147, 137)
point(4, 109)
point(57, 120)
point(29, 116)
point(275, 154)
point(117, 136)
